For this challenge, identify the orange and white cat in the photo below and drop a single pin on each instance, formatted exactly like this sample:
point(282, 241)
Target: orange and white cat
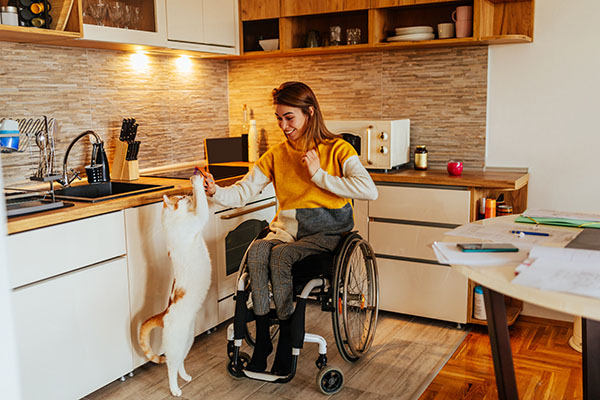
point(183, 220)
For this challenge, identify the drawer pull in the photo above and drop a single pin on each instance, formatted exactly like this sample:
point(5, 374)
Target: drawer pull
point(251, 210)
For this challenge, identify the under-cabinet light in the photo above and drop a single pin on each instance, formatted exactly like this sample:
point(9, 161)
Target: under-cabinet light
point(139, 61)
point(184, 63)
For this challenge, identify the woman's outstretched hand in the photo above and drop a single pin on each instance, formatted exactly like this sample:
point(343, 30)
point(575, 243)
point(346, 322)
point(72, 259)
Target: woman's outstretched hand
point(209, 182)
point(311, 160)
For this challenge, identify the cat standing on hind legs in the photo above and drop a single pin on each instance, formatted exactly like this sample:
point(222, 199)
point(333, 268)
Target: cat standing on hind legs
point(183, 220)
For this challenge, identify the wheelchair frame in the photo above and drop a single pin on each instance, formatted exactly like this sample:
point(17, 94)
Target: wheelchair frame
point(350, 301)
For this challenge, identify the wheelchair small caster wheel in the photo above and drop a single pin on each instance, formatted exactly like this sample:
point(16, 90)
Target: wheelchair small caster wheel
point(230, 349)
point(243, 360)
point(330, 380)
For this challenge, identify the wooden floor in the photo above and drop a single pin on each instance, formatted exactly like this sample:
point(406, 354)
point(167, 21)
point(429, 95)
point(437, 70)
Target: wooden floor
point(406, 355)
point(545, 366)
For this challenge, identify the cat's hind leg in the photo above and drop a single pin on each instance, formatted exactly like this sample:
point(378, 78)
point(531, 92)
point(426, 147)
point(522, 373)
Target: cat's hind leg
point(172, 368)
point(188, 345)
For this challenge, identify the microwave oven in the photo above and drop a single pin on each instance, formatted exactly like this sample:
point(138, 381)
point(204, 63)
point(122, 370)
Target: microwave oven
point(380, 144)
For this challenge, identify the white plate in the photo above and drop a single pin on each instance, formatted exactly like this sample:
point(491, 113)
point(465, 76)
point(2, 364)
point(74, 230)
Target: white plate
point(413, 29)
point(413, 37)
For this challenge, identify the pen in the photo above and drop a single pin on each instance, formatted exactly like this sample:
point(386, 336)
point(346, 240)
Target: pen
point(530, 233)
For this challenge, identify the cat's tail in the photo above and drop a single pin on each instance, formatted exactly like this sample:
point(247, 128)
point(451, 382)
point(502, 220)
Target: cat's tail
point(144, 338)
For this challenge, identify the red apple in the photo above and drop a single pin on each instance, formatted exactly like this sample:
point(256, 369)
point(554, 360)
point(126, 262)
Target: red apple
point(455, 168)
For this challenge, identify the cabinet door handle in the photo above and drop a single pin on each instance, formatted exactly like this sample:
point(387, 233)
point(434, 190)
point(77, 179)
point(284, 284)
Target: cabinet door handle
point(369, 145)
point(251, 210)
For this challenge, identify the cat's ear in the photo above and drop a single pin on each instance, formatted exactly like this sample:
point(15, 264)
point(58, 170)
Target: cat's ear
point(167, 202)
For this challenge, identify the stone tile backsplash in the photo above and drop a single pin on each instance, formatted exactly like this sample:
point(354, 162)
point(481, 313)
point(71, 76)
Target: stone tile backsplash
point(95, 89)
point(442, 91)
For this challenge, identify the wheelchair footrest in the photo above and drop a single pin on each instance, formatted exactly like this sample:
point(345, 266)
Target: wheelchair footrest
point(262, 376)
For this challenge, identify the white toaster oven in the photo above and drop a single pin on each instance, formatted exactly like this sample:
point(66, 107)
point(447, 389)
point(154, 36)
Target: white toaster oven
point(380, 144)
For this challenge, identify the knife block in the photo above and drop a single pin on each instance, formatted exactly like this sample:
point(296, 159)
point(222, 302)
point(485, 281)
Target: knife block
point(122, 169)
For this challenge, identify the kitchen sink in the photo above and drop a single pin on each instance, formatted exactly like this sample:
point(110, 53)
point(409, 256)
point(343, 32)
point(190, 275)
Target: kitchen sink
point(96, 192)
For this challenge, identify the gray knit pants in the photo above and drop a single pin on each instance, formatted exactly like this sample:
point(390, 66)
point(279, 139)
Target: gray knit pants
point(274, 259)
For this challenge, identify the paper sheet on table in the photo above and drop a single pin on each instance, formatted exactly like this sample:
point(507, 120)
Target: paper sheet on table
point(535, 212)
point(501, 232)
point(449, 253)
point(560, 218)
point(563, 270)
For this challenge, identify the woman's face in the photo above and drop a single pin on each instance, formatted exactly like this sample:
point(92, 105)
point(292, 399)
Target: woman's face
point(292, 121)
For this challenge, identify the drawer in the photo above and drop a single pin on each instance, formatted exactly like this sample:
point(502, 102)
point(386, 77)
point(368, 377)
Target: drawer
point(449, 206)
point(405, 240)
point(226, 308)
point(45, 252)
point(425, 290)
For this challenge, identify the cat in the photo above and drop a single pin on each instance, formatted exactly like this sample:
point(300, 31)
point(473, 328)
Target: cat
point(183, 220)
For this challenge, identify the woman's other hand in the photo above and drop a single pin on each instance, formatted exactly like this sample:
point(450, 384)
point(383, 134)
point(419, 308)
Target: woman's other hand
point(311, 160)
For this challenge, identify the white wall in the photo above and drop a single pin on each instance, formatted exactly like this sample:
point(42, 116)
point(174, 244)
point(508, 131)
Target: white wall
point(544, 110)
point(9, 372)
point(544, 106)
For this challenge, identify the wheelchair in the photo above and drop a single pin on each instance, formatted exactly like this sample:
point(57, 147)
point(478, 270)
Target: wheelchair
point(346, 284)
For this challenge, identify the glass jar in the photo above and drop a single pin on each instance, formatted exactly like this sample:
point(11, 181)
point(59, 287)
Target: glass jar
point(421, 158)
point(9, 15)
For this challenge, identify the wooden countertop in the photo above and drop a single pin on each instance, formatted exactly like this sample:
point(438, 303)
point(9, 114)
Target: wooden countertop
point(476, 179)
point(84, 210)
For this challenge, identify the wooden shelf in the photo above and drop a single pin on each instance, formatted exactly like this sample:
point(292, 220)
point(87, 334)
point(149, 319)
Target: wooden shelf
point(512, 313)
point(494, 22)
point(69, 18)
point(513, 308)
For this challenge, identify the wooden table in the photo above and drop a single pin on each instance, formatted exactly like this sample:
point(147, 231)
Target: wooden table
point(496, 283)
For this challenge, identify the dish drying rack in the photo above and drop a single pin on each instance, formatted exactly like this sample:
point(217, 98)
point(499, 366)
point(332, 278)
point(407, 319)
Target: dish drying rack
point(36, 137)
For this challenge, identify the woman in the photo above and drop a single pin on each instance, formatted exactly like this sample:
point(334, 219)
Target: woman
point(315, 174)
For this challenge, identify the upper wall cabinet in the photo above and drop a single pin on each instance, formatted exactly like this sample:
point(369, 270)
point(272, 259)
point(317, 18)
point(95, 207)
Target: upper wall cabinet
point(300, 22)
point(66, 23)
point(290, 8)
point(252, 9)
point(209, 26)
point(207, 23)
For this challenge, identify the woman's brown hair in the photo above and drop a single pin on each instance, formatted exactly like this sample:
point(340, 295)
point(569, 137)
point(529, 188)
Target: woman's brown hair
point(299, 95)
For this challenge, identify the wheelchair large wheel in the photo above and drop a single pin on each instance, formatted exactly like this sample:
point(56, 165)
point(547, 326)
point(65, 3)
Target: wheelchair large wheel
point(355, 298)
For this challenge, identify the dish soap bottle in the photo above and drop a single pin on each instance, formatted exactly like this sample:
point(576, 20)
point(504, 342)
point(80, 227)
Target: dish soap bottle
point(245, 126)
point(252, 139)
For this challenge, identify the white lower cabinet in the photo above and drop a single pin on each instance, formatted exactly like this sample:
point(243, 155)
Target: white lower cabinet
point(151, 276)
point(404, 222)
point(426, 290)
point(72, 332)
point(71, 306)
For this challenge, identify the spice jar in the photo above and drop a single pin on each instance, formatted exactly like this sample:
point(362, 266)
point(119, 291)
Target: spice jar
point(503, 209)
point(490, 208)
point(421, 158)
point(9, 15)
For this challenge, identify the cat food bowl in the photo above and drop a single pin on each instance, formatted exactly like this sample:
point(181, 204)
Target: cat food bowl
point(454, 168)
point(269, 44)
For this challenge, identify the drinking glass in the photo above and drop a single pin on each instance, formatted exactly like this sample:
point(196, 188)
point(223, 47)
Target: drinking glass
point(116, 10)
point(127, 13)
point(353, 36)
point(136, 17)
point(97, 10)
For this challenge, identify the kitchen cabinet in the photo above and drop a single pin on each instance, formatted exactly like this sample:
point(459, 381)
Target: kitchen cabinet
point(151, 276)
point(210, 24)
point(71, 308)
point(494, 21)
point(259, 9)
point(403, 223)
point(290, 8)
point(413, 210)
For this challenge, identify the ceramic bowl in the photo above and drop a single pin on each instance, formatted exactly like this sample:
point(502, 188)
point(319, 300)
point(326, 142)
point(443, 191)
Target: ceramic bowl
point(269, 44)
point(454, 167)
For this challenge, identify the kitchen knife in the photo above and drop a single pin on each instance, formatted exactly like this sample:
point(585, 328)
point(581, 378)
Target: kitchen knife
point(136, 150)
point(123, 133)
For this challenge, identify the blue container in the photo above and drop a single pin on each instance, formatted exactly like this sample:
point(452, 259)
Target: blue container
point(11, 142)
